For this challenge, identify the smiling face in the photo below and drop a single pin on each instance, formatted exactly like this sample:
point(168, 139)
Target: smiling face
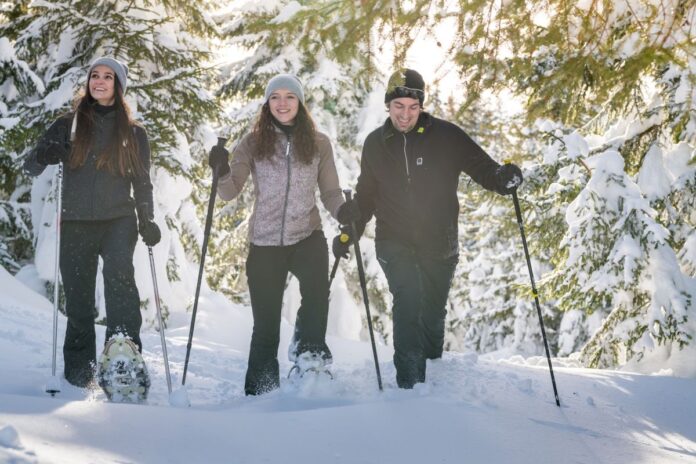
point(404, 113)
point(102, 82)
point(284, 106)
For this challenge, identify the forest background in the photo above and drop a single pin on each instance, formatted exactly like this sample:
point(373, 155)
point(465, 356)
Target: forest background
point(595, 100)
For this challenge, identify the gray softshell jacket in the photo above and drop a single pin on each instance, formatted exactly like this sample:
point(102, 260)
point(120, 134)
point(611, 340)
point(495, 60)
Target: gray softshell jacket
point(285, 209)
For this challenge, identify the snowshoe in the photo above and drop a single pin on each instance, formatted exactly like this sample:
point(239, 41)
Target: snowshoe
point(122, 373)
point(310, 363)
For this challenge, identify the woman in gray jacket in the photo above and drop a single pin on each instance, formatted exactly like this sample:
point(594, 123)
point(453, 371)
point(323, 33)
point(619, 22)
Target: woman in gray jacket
point(287, 159)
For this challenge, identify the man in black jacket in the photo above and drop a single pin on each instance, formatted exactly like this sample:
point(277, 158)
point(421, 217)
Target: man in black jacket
point(408, 180)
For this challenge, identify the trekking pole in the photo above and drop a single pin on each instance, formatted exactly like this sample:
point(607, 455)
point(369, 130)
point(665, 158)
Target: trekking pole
point(159, 320)
point(333, 270)
point(204, 247)
point(343, 237)
point(363, 286)
point(518, 212)
point(53, 386)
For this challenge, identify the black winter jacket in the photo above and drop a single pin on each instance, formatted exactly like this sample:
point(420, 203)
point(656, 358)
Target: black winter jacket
point(93, 194)
point(409, 182)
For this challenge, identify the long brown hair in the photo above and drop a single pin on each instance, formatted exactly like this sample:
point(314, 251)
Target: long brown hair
point(304, 136)
point(120, 156)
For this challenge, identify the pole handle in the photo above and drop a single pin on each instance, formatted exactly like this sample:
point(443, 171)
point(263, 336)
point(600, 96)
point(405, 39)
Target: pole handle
point(221, 142)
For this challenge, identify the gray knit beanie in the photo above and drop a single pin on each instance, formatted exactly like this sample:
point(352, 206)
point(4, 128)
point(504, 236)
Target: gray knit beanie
point(287, 82)
point(120, 69)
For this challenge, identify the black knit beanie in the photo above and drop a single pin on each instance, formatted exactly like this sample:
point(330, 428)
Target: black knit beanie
point(405, 83)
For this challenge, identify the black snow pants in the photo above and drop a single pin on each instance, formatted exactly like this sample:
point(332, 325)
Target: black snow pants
point(267, 269)
point(82, 243)
point(419, 284)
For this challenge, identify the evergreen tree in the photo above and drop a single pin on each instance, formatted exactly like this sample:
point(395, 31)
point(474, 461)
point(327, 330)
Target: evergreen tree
point(16, 78)
point(620, 73)
point(164, 46)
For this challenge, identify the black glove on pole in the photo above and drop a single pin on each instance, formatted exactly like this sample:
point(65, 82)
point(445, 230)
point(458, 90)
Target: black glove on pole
point(218, 160)
point(508, 177)
point(55, 148)
point(147, 227)
point(518, 212)
point(204, 247)
point(363, 286)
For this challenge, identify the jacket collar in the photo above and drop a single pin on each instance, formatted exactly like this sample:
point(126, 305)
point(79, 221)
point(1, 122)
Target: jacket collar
point(279, 128)
point(425, 120)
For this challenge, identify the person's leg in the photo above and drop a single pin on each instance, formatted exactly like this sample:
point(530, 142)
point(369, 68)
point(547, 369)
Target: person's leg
point(266, 274)
point(437, 278)
point(309, 262)
point(120, 290)
point(402, 271)
point(79, 248)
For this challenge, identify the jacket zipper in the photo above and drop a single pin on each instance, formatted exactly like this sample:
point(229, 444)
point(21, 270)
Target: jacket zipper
point(287, 194)
point(98, 134)
point(408, 173)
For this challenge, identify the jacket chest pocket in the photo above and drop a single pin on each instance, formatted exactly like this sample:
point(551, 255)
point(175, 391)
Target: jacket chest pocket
point(433, 169)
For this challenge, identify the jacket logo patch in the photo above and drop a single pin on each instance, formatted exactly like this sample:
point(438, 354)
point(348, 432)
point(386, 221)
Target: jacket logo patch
point(419, 161)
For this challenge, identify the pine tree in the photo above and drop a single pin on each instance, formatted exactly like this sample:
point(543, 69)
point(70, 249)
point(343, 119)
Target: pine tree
point(16, 78)
point(619, 74)
point(164, 46)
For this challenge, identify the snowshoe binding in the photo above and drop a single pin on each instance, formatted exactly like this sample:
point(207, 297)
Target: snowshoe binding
point(310, 363)
point(122, 373)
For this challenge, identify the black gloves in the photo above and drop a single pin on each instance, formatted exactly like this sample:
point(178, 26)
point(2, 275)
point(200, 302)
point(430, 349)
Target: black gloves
point(217, 160)
point(150, 232)
point(509, 177)
point(55, 148)
point(348, 212)
point(341, 243)
point(147, 227)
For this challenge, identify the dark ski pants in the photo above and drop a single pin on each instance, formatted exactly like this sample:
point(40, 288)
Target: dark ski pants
point(267, 269)
point(419, 285)
point(82, 243)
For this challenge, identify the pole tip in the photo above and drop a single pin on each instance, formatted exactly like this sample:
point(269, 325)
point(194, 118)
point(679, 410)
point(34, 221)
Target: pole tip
point(53, 386)
point(179, 398)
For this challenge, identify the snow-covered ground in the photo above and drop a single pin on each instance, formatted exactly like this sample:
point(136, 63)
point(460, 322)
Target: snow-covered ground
point(472, 409)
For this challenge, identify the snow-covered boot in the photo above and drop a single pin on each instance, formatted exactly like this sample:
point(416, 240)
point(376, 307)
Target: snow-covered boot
point(122, 373)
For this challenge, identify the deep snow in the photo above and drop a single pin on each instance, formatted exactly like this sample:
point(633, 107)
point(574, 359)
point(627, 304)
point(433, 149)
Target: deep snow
point(472, 409)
